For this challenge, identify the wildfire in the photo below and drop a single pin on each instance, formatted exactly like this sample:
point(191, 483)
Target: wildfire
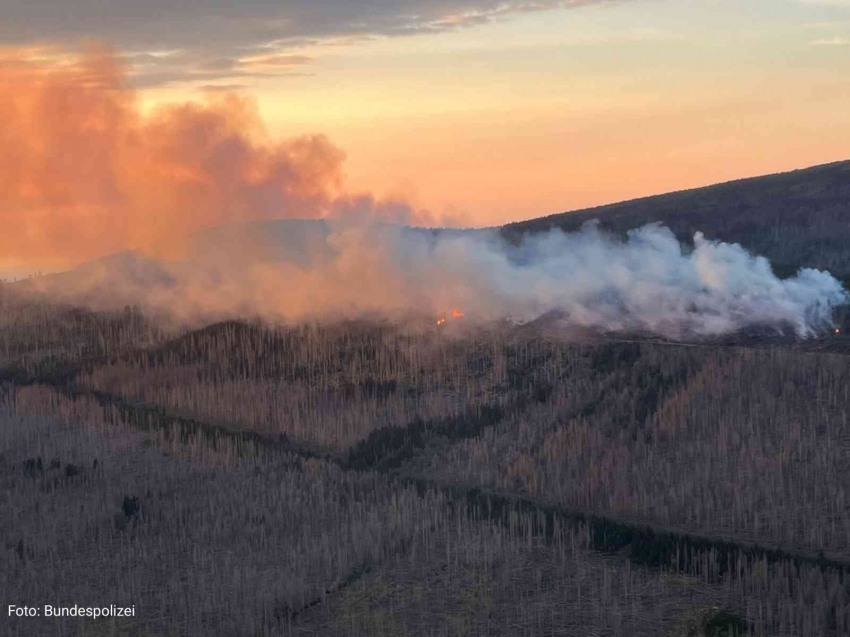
point(456, 314)
point(838, 330)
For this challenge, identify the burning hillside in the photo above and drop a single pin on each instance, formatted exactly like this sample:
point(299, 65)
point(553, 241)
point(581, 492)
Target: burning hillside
point(196, 204)
point(648, 283)
point(454, 315)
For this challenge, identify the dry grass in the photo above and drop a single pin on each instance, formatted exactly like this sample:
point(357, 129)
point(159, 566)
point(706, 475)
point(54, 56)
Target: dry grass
point(219, 545)
point(754, 445)
point(477, 578)
point(751, 445)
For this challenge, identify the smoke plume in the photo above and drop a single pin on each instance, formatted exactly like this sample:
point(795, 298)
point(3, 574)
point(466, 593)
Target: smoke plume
point(295, 270)
point(83, 172)
point(197, 207)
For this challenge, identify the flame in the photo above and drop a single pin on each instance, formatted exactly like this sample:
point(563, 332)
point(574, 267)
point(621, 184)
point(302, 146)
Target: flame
point(838, 330)
point(456, 314)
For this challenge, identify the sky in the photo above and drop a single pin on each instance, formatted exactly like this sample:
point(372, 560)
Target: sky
point(479, 112)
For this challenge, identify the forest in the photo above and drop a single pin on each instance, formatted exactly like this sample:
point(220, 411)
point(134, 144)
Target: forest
point(794, 218)
point(386, 478)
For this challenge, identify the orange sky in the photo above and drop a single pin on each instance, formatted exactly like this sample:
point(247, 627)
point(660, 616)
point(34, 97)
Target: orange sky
point(553, 111)
point(481, 117)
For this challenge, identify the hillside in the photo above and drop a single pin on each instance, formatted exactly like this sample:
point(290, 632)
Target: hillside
point(796, 218)
point(383, 477)
point(373, 479)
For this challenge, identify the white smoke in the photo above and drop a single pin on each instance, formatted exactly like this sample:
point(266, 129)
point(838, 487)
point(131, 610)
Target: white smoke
point(651, 283)
point(293, 270)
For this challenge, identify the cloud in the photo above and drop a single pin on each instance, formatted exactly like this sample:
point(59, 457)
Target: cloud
point(826, 3)
point(837, 41)
point(227, 31)
point(147, 69)
point(222, 88)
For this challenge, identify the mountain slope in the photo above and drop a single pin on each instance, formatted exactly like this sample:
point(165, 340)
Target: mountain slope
point(799, 218)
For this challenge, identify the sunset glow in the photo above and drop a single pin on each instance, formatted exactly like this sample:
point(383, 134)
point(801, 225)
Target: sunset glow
point(470, 117)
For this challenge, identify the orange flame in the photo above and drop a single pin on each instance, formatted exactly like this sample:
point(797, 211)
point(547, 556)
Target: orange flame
point(456, 314)
point(837, 330)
